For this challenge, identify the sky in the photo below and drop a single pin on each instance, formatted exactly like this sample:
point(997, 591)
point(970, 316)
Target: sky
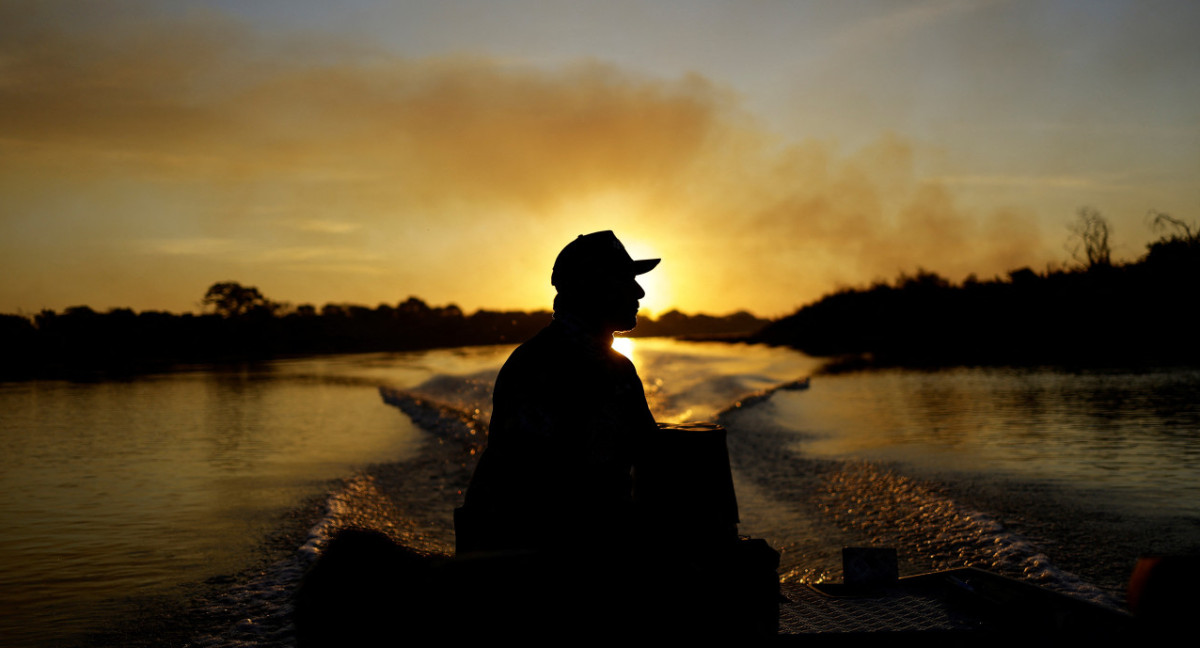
point(768, 151)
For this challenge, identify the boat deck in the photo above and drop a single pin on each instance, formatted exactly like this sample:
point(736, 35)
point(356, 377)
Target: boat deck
point(956, 607)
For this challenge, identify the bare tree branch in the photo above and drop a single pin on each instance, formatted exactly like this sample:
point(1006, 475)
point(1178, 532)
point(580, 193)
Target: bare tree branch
point(1088, 244)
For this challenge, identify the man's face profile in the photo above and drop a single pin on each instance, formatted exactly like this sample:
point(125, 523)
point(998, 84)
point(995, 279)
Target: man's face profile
point(609, 302)
point(597, 282)
point(620, 302)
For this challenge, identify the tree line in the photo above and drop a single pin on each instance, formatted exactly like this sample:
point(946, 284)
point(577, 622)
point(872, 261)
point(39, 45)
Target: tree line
point(240, 324)
point(1095, 312)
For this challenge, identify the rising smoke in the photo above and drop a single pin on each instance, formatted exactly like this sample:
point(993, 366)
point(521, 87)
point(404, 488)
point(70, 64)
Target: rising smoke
point(301, 159)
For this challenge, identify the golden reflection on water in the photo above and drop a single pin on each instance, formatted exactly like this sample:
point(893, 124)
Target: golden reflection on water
point(121, 487)
point(1120, 431)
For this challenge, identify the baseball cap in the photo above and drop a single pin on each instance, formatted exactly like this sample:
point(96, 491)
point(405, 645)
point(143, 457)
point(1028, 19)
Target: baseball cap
point(595, 255)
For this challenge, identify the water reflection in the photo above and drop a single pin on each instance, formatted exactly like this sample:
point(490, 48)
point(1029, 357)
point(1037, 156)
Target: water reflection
point(115, 488)
point(1113, 431)
point(140, 485)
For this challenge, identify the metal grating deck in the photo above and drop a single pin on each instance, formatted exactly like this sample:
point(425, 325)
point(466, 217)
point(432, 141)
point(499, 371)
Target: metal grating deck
point(808, 611)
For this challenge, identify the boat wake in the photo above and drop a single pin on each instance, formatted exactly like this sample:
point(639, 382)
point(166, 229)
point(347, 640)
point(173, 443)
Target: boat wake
point(808, 508)
point(834, 503)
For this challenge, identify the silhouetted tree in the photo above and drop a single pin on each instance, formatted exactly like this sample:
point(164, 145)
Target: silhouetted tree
point(1178, 251)
point(1182, 231)
point(413, 307)
point(334, 311)
point(242, 324)
point(232, 299)
point(1089, 239)
point(1022, 277)
point(18, 346)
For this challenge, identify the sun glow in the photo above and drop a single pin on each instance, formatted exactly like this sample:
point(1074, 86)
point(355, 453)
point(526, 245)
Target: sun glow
point(630, 216)
point(656, 283)
point(624, 346)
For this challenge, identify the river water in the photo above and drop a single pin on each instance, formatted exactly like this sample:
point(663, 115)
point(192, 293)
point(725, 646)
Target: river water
point(119, 492)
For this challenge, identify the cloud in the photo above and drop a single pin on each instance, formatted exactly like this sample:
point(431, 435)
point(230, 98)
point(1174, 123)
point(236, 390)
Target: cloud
point(328, 227)
point(303, 254)
point(193, 96)
point(193, 246)
point(816, 216)
point(1060, 181)
point(460, 176)
point(899, 20)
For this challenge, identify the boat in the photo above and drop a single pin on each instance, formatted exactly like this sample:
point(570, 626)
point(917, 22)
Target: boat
point(957, 607)
point(690, 489)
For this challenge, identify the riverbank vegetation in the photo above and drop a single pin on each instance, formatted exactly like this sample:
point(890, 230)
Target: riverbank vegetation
point(241, 324)
point(1097, 312)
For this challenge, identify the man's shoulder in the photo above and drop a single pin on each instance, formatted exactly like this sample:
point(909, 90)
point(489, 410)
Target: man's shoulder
point(546, 343)
point(533, 355)
point(556, 352)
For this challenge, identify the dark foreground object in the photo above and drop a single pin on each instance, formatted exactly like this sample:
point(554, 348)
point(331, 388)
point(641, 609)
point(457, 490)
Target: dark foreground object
point(959, 607)
point(367, 590)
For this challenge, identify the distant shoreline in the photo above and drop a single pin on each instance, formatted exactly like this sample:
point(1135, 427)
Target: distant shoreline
point(831, 364)
point(83, 345)
point(1101, 314)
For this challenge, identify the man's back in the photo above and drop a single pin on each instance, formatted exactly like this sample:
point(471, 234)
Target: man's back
point(568, 414)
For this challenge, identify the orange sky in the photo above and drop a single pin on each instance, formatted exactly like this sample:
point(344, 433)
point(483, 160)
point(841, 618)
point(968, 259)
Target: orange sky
point(767, 151)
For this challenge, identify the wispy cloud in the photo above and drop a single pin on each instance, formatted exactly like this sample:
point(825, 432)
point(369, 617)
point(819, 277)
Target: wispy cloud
point(210, 247)
point(328, 226)
point(899, 20)
point(1092, 183)
point(353, 269)
point(305, 254)
point(1060, 181)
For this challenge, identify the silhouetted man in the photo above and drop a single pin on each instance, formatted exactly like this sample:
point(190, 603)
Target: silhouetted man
point(568, 415)
point(553, 492)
